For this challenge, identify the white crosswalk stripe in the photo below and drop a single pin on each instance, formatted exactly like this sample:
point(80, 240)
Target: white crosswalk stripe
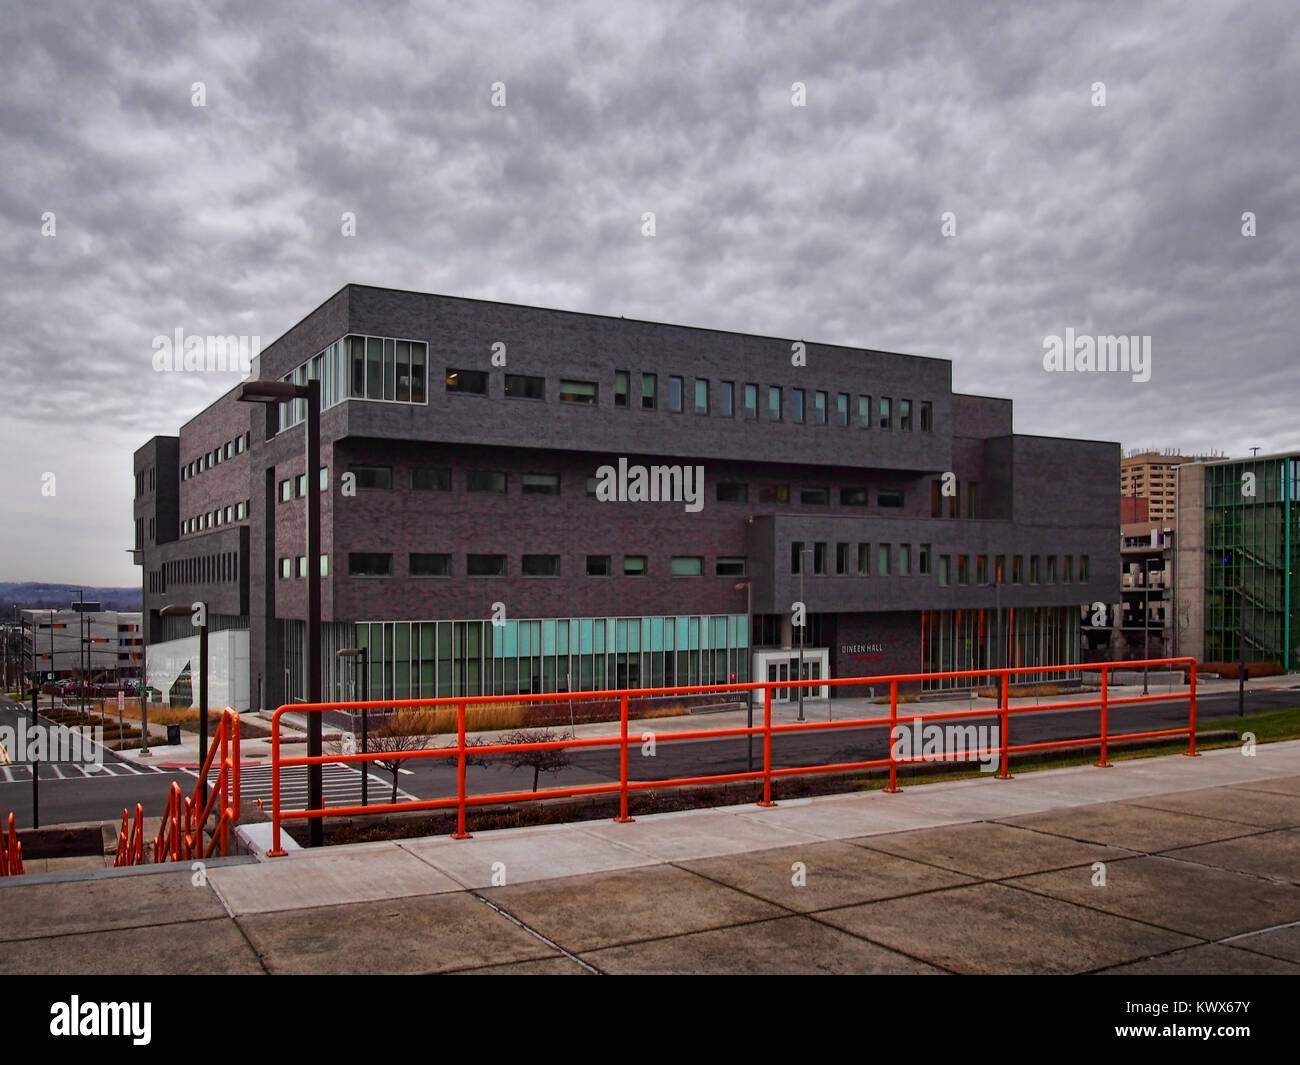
point(341, 785)
point(22, 771)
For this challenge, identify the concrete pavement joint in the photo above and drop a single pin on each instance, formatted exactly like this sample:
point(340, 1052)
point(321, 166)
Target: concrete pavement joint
point(538, 935)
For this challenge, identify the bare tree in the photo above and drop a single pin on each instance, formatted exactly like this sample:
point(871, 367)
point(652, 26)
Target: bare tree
point(550, 760)
point(402, 731)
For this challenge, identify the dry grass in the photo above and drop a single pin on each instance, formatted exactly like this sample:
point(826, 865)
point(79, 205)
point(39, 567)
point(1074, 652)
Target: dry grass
point(903, 697)
point(1019, 691)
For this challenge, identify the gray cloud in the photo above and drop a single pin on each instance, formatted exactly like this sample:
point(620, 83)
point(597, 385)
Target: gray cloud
point(819, 222)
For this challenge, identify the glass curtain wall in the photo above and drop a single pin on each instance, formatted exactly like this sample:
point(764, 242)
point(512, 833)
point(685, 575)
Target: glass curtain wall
point(954, 640)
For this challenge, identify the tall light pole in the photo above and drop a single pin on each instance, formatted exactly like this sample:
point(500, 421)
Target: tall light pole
point(280, 392)
point(364, 654)
point(1146, 621)
point(749, 649)
point(201, 610)
point(803, 624)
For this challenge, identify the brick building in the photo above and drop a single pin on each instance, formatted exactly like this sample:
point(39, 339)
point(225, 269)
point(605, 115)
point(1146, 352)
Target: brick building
point(461, 481)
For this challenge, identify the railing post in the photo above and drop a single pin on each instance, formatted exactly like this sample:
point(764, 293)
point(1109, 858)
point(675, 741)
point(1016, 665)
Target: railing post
point(1105, 725)
point(1005, 772)
point(893, 724)
point(767, 747)
point(460, 832)
point(276, 850)
point(622, 817)
point(1191, 716)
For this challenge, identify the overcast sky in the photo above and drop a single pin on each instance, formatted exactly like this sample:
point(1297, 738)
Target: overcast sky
point(821, 222)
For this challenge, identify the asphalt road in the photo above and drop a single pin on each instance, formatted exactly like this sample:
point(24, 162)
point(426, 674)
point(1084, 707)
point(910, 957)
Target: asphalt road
point(68, 793)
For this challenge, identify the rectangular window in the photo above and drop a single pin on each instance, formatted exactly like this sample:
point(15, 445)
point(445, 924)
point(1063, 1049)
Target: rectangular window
point(819, 408)
point(621, 385)
point(1067, 569)
point(674, 393)
point(819, 558)
point(430, 479)
point(323, 479)
point(648, 391)
point(1017, 574)
point(701, 396)
point(796, 556)
point(842, 408)
point(945, 566)
point(927, 417)
point(230, 448)
point(302, 566)
point(485, 565)
point(729, 567)
point(467, 382)
point(584, 392)
point(239, 444)
point(540, 484)
point(882, 559)
point(1000, 569)
point(324, 565)
point(923, 560)
point(727, 401)
point(300, 485)
point(815, 497)
point(864, 559)
point(853, 497)
point(540, 565)
point(889, 497)
point(981, 569)
point(372, 476)
point(286, 568)
point(368, 564)
point(519, 386)
point(796, 405)
point(230, 516)
point(864, 412)
point(686, 566)
point(597, 565)
point(774, 493)
point(427, 565)
point(773, 403)
point(936, 499)
point(972, 499)
point(886, 414)
point(1083, 569)
point(963, 569)
point(842, 558)
point(1051, 569)
point(732, 492)
point(634, 566)
point(1035, 574)
point(751, 401)
point(286, 490)
point(485, 481)
point(904, 560)
point(905, 415)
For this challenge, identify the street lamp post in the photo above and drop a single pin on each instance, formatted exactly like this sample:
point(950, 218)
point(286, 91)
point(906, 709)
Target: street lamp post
point(1241, 650)
point(364, 654)
point(183, 611)
point(280, 392)
point(749, 649)
point(803, 624)
point(1146, 621)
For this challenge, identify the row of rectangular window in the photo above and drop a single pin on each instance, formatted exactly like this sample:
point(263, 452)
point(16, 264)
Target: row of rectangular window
point(1038, 572)
point(220, 568)
point(215, 518)
point(216, 456)
point(296, 487)
point(439, 479)
point(420, 564)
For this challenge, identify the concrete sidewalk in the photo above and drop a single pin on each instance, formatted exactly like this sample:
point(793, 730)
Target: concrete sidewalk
point(1200, 859)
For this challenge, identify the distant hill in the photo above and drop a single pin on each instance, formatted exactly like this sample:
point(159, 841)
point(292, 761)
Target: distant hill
point(27, 594)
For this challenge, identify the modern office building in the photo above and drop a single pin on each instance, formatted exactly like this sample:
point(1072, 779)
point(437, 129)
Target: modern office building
point(102, 645)
point(518, 500)
point(1236, 568)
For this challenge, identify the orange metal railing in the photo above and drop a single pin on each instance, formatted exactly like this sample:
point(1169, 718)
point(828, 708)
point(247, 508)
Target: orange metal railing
point(181, 834)
point(11, 851)
point(461, 751)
